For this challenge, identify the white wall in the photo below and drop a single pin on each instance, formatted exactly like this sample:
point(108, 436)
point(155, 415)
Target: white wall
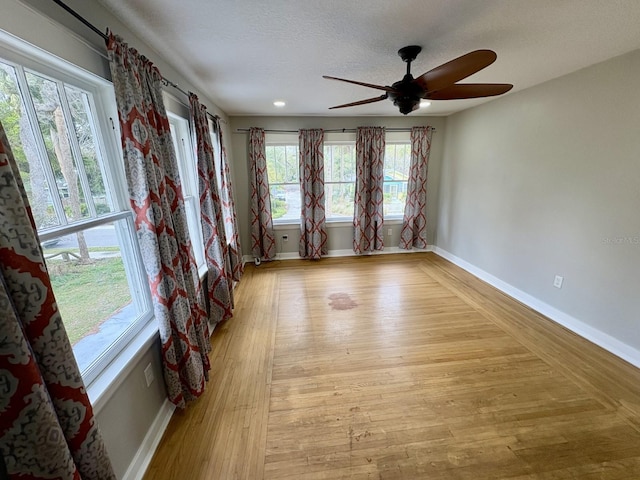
point(545, 182)
point(340, 236)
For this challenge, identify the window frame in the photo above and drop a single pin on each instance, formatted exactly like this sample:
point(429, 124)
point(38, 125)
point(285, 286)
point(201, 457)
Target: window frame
point(24, 57)
point(339, 140)
point(396, 138)
point(184, 143)
point(284, 140)
point(219, 167)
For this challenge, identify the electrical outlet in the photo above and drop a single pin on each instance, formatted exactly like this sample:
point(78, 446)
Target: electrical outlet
point(557, 282)
point(390, 232)
point(148, 375)
point(285, 238)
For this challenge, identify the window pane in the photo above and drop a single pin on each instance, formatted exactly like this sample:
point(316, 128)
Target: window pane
point(275, 164)
point(348, 163)
point(91, 288)
point(339, 200)
point(83, 128)
point(193, 225)
point(55, 133)
point(285, 202)
point(23, 144)
point(339, 195)
point(396, 173)
point(292, 175)
point(284, 183)
point(328, 163)
point(389, 160)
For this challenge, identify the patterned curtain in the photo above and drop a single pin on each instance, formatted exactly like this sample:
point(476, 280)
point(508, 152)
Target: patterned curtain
point(161, 225)
point(263, 242)
point(414, 224)
point(368, 215)
point(313, 234)
point(47, 428)
point(229, 210)
point(216, 250)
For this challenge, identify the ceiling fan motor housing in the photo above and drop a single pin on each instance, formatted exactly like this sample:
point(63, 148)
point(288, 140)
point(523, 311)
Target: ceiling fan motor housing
point(408, 94)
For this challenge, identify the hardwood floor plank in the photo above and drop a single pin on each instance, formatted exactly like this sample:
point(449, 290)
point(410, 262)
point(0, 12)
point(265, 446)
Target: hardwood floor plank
point(400, 367)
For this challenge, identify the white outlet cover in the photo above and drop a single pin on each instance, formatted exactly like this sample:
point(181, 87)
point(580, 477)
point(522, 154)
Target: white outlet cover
point(148, 375)
point(557, 282)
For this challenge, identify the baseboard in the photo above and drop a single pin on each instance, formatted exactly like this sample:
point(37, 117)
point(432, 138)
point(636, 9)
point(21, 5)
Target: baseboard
point(141, 460)
point(343, 253)
point(600, 338)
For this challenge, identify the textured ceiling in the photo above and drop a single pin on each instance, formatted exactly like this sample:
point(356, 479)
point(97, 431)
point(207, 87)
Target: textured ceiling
point(244, 54)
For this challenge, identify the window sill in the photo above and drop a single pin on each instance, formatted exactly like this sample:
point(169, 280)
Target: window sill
point(107, 382)
point(286, 225)
point(395, 220)
point(339, 223)
point(202, 271)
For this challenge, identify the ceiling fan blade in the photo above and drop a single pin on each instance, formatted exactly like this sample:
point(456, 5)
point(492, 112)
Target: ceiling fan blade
point(361, 102)
point(370, 85)
point(469, 90)
point(457, 69)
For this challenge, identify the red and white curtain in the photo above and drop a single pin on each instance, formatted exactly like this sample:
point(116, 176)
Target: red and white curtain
point(229, 209)
point(47, 427)
point(216, 251)
point(414, 224)
point(156, 199)
point(368, 214)
point(263, 242)
point(313, 234)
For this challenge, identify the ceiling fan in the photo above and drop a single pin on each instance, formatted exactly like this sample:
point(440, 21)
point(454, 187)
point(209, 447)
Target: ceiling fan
point(437, 84)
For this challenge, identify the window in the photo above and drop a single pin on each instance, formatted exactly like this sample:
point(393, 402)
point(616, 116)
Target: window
point(74, 177)
point(339, 176)
point(219, 166)
point(397, 161)
point(187, 165)
point(339, 180)
point(284, 181)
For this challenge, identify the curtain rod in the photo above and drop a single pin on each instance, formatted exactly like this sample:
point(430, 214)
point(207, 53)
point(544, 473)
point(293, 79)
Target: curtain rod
point(329, 130)
point(92, 27)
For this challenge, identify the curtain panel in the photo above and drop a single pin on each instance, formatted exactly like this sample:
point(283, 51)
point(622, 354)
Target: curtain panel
point(414, 223)
point(263, 243)
point(368, 214)
point(216, 250)
point(313, 234)
point(47, 427)
point(156, 199)
point(229, 209)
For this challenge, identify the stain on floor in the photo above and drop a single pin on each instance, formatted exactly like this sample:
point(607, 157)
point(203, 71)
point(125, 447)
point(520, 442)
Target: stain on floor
point(341, 301)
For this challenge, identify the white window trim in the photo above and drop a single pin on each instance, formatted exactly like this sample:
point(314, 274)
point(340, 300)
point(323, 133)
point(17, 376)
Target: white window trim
point(283, 140)
point(396, 138)
point(100, 376)
point(335, 138)
point(188, 168)
point(340, 139)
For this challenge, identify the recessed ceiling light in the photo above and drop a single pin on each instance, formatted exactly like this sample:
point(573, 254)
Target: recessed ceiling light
point(424, 104)
point(279, 103)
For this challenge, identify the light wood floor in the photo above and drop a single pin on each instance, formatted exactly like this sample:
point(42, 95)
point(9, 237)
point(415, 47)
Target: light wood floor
point(400, 367)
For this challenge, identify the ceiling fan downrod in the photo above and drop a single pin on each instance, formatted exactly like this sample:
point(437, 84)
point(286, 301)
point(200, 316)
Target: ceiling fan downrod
point(408, 54)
